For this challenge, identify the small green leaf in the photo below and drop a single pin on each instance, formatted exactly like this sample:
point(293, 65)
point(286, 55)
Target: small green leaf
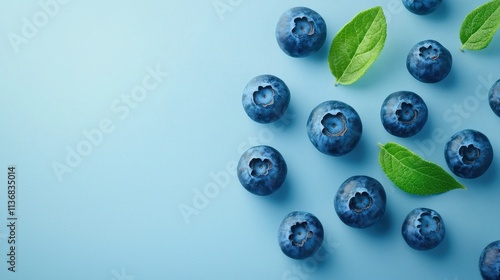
point(413, 174)
point(357, 45)
point(480, 26)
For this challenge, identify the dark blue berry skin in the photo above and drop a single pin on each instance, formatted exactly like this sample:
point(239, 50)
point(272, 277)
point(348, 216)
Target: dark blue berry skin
point(262, 170)
point(403, 113)
point(300, 32)
point(300, 235)
point(468, 153)
point(421, 7)
point(489, 261)
point(266, 98)
point(494, 98)
point(360, 201)
point(429, 62)
point(423, 229)
point(334, 128)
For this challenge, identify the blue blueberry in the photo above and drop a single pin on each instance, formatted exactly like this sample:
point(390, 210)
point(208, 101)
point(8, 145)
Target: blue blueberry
point(266, 98)
point(360, 201)
point(300, 32)
point(403, 113)
point(429, 62)
point(300, 235)
point(494, 98)
point(423, 229)
point(489, 261)
point(421, 7)
point(262, 170)
point(334, 128)
point(468, 153)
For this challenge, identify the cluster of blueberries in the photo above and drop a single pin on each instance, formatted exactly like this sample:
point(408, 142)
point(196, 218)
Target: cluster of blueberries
point(335, 129)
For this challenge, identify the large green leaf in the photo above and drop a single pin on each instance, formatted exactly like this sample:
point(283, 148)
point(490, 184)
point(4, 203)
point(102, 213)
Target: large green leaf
point(357, 45)
point(479, 27)
point(412, 174)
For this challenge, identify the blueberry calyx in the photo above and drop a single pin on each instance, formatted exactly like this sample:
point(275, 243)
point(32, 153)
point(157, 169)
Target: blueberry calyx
point(260, 167)
point(429, 53)
point(407, 114)
point(264, 96)
point(469, 153)
point(303, 26)
point(334, 125)
point(300, 234)
point(360, 201)
point(428, 224)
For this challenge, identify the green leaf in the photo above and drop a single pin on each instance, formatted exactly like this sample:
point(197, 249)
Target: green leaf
point(480, 26)
point(413, 174)
point(357, 45)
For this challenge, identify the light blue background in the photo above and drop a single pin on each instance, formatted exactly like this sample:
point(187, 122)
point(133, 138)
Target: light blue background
point(119, 213)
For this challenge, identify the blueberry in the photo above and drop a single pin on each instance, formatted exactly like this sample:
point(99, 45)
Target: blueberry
point(266, 98)
point(403, 113)
point(468, 153)
point(489, 261)
point(429, 62)
point(423, 229)
point(494, 98)
point(334, 128)
point(360, 201)
point(421, 7)
point(300, 235)
point(262, 170)
point(300, 32)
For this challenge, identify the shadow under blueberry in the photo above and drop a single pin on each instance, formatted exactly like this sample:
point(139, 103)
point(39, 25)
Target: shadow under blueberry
point(321, 56)
point(441, 14)
point(317, 263)
point(441, 251)
point(358, 155)
point(287, 121)
point(282, 194)
point(383, 226)
point(449, 82)
point(484, 182)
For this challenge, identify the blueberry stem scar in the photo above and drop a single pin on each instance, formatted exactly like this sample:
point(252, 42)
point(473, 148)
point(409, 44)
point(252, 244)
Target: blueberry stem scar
point(469, 154)
point(334, 125)
point(260, 167)
point(300, 234)
point(305, 26)
point(429, 52)
point(428, 224)
point(264, 96)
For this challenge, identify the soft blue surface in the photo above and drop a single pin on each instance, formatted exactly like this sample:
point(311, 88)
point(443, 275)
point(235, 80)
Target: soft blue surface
point(162, 81)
